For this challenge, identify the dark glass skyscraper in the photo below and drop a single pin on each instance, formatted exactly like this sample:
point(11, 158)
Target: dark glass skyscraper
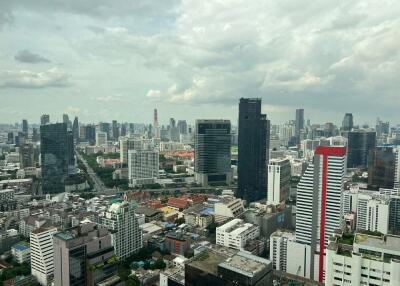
point(359, 144)
point(299, 123)
point(55, 156)
point(213, 151)
point(253, 146)
point(44, 119)
point(381, 168)
point(75, 129)
point(347, 123)
point(25, 126)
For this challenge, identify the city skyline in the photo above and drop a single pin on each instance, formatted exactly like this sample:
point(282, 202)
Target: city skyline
point(101, 59)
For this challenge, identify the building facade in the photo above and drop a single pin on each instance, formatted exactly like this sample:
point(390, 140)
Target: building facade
point(253, 143)
point(212, 162)
point(279, 171)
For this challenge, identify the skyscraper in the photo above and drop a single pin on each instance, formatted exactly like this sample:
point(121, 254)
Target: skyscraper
point(155, 124)
point(381, 168)
point(347, 123)
point(44, 119)
point(75, 129)
point(182, 126)
point(299, 124)
point(253, 143)
point(126, 234)
point(359, 144)
point(115, 130)
point(26, 155)
point(319, 205)
point(54, 157)
point(212, 161)
point(143, 166)
point(25, 127)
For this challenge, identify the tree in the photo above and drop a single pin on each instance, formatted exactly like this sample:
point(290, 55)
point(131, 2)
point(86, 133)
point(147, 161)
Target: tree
point(132, 281)
point(180, 221)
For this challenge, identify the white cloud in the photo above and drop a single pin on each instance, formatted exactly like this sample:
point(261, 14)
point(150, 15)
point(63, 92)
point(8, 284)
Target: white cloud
point(29, 79)
point(153, 93)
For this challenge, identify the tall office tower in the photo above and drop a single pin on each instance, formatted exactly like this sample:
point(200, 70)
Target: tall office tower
point(54, 157)
point(35, 135)
point(182, 126)
point(347, 123)
point(84, 255)
point(394, 214)
point(212, 155)
point(133, 143)
point(42, 254)
point(299, 124)
point(253, 144)
point(71, 152)
point(101, 138)
point(397, 167)
point(279, 171)
point(26, 155)
point(25, 127)
point(319, 206)
point(10, 137)
point(123, 129)
point(155, 124)
point(143, 166)
point(359, 144)
point(75, 129)
point(105, 127)
point(173, 130)
point(381, 168)
point(120, 218)
point(90, 134)
point(115, 130)
point(381, 128)
point(44, 119)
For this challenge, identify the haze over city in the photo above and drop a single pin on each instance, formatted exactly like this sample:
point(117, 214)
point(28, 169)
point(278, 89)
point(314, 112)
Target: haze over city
point(103, 60)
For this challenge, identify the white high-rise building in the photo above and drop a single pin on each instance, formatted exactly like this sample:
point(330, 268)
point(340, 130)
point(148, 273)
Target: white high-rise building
point(42, 263)
point(143, 166)
point(279, 171)
point(126, 234)
point(101, 138)
point(133, 143)
point(236, 233)
point(319, 209)
point(397, 168)
point(367, 260)
point(278, 248)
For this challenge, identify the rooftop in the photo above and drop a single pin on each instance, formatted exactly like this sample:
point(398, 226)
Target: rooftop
point(388, 242)
point(246, 264)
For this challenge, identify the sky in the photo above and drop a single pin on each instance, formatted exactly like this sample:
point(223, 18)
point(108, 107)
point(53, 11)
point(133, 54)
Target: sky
point(102, 60)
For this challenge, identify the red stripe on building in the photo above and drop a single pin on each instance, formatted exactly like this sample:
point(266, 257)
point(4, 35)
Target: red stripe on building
point(323, 217)
point(330, 151)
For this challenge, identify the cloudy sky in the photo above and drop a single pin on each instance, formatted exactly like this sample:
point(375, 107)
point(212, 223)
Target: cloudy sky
point(104, 60)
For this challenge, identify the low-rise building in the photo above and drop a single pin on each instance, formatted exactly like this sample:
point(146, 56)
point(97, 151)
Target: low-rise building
point(21, 252)
point(236, 233)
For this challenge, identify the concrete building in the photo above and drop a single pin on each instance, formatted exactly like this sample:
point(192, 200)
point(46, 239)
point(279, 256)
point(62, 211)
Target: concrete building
point(42, 254)
point(397, 168)
point(143, 166)
point(278, 249)
point(126, 234)
point(364, 260)
point(101, 138)
point(219, 266)
point(228, 206)
point(236, 234)
point(212, 161)
point(7, 194)
point(21, 252)
point(84, 255)
point(279, 171)
point(177, 243)
point(359, 144)
point(318, 209)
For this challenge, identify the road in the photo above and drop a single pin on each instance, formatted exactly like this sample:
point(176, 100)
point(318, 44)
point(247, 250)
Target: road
point(100, 189)
point(98, 186)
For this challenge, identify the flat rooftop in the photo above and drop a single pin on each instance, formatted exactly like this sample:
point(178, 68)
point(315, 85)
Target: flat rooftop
point(246, 264)
point(390, 243)
point(208, 261)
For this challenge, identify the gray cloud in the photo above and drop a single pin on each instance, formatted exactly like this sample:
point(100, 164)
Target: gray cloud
point(26, 56)
point(29, 79)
